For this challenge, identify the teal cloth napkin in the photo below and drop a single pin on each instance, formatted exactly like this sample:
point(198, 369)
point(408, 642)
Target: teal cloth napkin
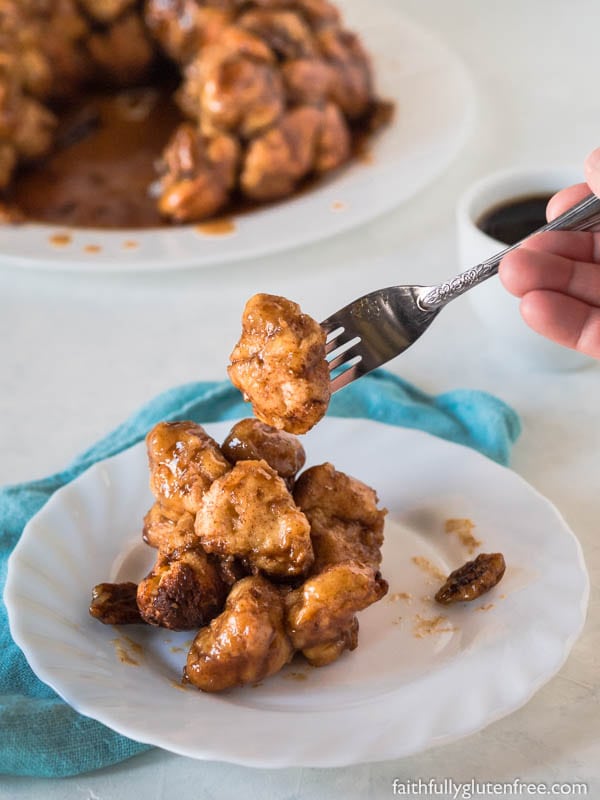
point(40, 734)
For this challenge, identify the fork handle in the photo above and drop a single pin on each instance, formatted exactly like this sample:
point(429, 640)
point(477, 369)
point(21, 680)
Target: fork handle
point(582, 217)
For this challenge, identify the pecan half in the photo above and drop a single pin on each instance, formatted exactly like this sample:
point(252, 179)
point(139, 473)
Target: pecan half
point(472, 579)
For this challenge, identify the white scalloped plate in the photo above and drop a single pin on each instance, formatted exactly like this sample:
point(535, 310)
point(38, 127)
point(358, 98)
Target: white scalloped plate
point(434, 99)
point(400, 692)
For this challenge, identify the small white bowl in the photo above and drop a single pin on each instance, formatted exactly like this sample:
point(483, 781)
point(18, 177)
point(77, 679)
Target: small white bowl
point(494, 306)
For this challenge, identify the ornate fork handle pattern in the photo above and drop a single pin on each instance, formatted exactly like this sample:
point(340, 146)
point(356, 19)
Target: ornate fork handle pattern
point(583, 216)
point(442, 294)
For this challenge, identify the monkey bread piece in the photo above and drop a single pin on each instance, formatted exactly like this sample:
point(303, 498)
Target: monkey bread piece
point(26, 125)
point(8, 161)
point(320, 13)
point(115, 603)
point(279, 364)
point(198, 174)
point(305, 140)
point(106, 10)
point(59, 47)
point(184, 590)
point(249, 514)
point(334, 143)
point(317, 13)
point(307, 81)
point(33, 131)
point(64, 35)
point(278, 159)
point(246, 643)
point(233, 86)
point(345, 522)
point(320, 655)
point(169, 532)
point(352, 87)
point(159, 525)
point(252, 440)
point(239, 96)
point(286, 33)
point(183, 27)
point(40, 45)
point(123, 53)
point(230, 569)
point(235, 41)
point(320, 615)
point(184, 461)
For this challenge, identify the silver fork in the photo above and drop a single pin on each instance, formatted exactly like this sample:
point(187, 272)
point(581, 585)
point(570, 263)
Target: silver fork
point(379, 326)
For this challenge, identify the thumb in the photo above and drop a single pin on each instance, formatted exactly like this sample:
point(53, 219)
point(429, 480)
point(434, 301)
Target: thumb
point(592, 171)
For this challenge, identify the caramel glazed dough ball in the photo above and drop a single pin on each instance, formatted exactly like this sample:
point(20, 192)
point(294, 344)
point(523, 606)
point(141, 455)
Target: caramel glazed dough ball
point(184, 461)
point(251, 440)
point(244, 644)
point(279, 364)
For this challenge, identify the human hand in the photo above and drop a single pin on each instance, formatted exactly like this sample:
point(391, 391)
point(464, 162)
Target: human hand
point(557, 274)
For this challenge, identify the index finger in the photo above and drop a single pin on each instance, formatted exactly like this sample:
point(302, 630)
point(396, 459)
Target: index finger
point(566, 199)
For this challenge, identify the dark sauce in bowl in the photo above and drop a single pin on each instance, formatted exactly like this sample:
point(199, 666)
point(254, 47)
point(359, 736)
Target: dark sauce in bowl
point(513, 220)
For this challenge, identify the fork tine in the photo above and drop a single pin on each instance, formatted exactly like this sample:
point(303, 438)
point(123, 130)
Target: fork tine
point(333, 343)
point(342, 353)
point(334, 333)
point(347, 376)
point(340, 348)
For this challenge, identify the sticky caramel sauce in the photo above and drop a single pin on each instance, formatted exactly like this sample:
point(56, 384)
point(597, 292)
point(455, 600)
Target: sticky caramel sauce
point(295, 676)
point(128, 651)
point(102, 179)
point(60, 239)
point(180, 685)
point(221, 226)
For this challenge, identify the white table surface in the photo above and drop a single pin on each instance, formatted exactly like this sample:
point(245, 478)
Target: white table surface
point(79, 353)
